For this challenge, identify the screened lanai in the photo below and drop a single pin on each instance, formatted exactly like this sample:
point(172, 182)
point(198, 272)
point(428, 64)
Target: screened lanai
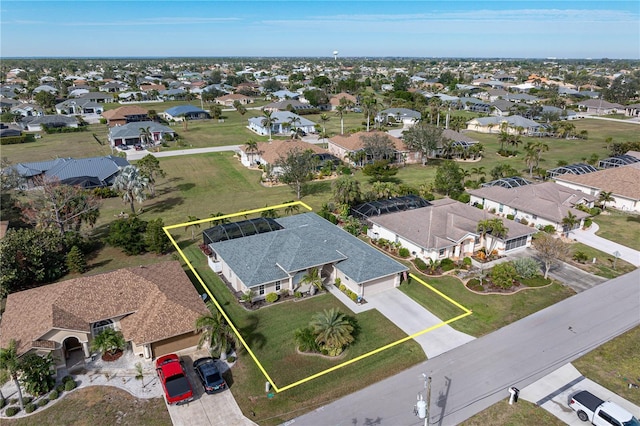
point(388, 205)
point(510, 182)
point(617, 161)
point(574, 169)
point(244, 228)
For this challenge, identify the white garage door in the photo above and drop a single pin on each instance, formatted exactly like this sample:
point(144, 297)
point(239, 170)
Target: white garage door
point(377, 286)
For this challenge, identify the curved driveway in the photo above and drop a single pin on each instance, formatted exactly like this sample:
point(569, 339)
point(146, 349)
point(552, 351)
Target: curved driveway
point(590, 238)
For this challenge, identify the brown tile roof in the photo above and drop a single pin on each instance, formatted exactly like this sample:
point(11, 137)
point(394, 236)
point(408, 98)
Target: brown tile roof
point(272, 151)
point(335, 100)
point(353, 142)
point(623, 181)
point(149, 87)
point(443, 224)
point(548, 200)
point(159, 302)
point(122, 112)
point(232, 96)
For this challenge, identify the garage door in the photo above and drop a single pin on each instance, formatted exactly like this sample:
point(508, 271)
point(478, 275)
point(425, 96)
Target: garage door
point(378, 286)
point(174, 344)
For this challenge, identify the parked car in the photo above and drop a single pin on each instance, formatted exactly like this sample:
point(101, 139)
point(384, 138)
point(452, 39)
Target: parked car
point(600, 413)
point(172, 376)
point(139, 147)
point(209, 375)
point(124, 147)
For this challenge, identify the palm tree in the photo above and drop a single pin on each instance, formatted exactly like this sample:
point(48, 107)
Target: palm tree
point(569, 222)
point(293, 121)
point(268, 121)
point(292, 209)
point(108, 341)
point(10, 362)
point(370, 108)
point(479, 171)
point(193, 226)
point(493, 227)
point(324, 118)
point(251, 147)
point(313, 278)
point(145, 135)
point(604, 197)
point(333, 330)
point(215, 332)
point(215, 222)
point(341, 110)
point(346, 190)
point(132, 184)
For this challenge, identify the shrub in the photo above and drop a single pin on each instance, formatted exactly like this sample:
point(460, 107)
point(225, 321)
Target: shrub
point(595, 211)
point(353, 296)
point(420, 264)
point(27, 400)
point(466, 262)
point(11, 411)
point(342, 287)
point(480, 206)
point(60, 388)
point(474, 284)
point(404, 252)
point(29, 408)
point(447, 264)
point(510, 217)
point(271, 297)
point(580, 256)
point(231, 359)
point(297, 295)
point(338, 282)
point(2, 402)
point(464, 198)
point(53, 395)
point(549, 229)
point(306, 340)
point(588, 222)
point(70, 385)
point(284, 292)
point(503, 275)
point(524, 221)
point(105, 192)
point(526, 267)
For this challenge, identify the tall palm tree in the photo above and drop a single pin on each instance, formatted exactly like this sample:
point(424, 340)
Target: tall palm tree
point(293, 125)
point(605, 197)
point(495, 228)
point(341, 110)
point(333, 330)
point(251, 147)
point(370, 108)
point(479, 171)
point(10, 362)
point(267, 121)
point(132, 185)
point(313, 279)
point(323, 119)
point(146, 137)
point(215, 332)
point(569, 222)
point(193, 226)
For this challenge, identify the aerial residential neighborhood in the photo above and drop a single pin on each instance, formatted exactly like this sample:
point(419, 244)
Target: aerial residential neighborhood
point(276, 238)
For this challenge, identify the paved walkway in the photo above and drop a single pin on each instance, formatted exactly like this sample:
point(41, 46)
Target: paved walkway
point(411, 318)
point(590, 238)
point(553, 391)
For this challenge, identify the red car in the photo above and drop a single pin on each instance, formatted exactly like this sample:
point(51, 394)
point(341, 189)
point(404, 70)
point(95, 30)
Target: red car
point(175, 383)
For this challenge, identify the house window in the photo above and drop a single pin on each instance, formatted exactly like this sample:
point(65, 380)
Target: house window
point(261, 290)
point(441, 252)
point(278, 285)
point(534, 217)
point(515, 243)
point(477, 240)
point(100, 326)
point(501, 208)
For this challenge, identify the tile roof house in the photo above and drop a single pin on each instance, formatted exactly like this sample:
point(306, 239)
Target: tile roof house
point(37, 124)
point(342, 146)
point(125, 114)
point(228, 100)
point(335, 99)
point(623, 182)
point(445, 229)
point(282, 124)
point(130, 133)
point(600, 107)
point(488, 124)
point(540, 204)
point(405, 116)
point(154, 306)
point(79, 107)
point(278, 259)
point(270, 152)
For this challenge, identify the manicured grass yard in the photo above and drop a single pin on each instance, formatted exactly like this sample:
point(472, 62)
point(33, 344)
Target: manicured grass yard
point(623, 228)
point(604, 262)
point(269, 332)
point(522, 413)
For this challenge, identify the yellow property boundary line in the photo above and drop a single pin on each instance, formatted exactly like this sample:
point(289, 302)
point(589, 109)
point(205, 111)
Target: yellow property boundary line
point(466, 312)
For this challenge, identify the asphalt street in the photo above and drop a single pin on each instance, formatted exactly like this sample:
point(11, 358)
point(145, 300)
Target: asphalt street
point(472, 377)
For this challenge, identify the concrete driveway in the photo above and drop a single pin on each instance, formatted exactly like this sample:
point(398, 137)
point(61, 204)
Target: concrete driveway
point(412, 318)
point(589, 237)
point(206, 410)
point(553, 391)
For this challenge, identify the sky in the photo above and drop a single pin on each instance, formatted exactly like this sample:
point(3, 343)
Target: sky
point(419, 28)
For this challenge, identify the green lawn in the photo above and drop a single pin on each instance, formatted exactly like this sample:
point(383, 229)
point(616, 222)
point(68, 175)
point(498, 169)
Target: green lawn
point(615, 364)
point(604, 265)
point(269, 333)
point(521, 414)
point(490, 312)
point(623, 228)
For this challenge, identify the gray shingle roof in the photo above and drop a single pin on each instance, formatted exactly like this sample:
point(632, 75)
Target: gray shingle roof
point(306, 241)
point(132, 130)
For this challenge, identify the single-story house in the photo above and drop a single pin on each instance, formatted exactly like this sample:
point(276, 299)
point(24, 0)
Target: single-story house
point(125, 114)
point(623, 183)
point(345, 146)
point(542, 204)
point(445, 229)
point(131, 133)
point(230, 99)
point(335, 99)
point(154, 306)
point(282, 124)
point(632, 110)
point(600, 107)
point(9, 130)
point(513, 123)
point(271, 255)
point(27, 110)
point(79, 107)
point(288, 105)
point(404, 116)
point(114, 86)
point(87, 172)
point(37, 124)
point(45, 88)
point(501, 107)
point(284, 94)
point(99, 97)
point(270, 152)
point(185, 112)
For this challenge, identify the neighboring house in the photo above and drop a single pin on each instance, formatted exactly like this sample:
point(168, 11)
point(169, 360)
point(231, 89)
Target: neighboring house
point(230, 99)
point(574, 169)
point(173, 94)
point(335, 100)
point(271, 152)
point(45, 88)
point(346, 146)
point(114, 87)
point(282, 124)
point(623, 183)
point(131, 133)
point(284, 94)
point(185, 112)
point(632, 110)
point(155, 307)
point(37, 124)
point(540, 204)
point(501, 107)
point(87, 172)
point(9, 130)
point(445, 229)
point(513, 123)
point(288, 105)
point(27, 110)
point(272, 255)
point(79, 107)
point(600, 107)
point(99, 97)
point(146, 88)
point(404, 116)
point(472, 104)
point(125, 114)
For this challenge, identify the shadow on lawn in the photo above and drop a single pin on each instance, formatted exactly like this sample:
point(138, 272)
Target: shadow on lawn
point(164, 205)
point(249, 334)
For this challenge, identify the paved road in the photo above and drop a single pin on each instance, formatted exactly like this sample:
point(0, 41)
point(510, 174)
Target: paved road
point(472, 377)
point(590, 238)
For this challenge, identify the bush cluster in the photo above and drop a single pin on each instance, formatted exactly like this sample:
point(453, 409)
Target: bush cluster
point(53, 395)
point(29, 408)
point(447, 264)
point(404, 252)
point(11, 411)
point(70, 385)
point(526, 267)
point(43, 402)
point(420, 264)
point(271, 297)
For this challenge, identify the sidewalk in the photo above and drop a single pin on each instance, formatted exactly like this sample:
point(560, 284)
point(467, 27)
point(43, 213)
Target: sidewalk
point(590, 238)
